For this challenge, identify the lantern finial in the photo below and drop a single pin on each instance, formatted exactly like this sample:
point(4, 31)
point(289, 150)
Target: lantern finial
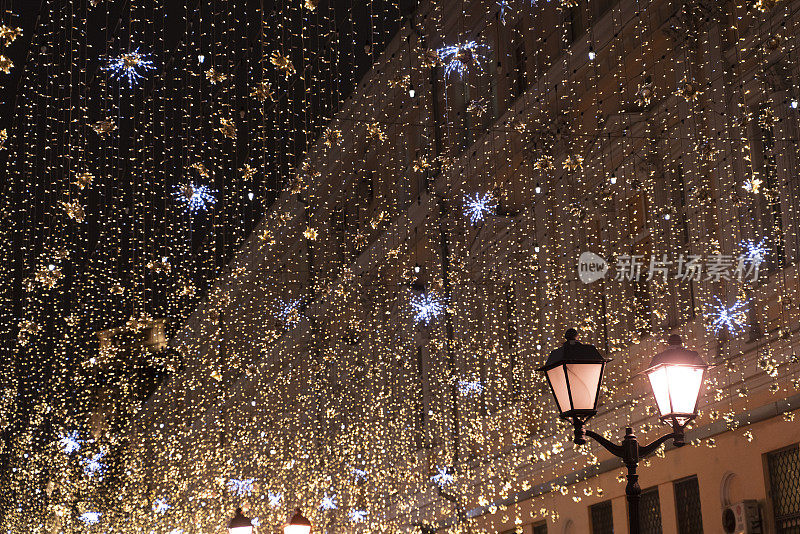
point(675, 340)
point(571, 334)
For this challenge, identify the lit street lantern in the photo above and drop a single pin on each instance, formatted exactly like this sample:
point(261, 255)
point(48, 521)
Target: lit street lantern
point(297, 524)
point(676, 377)
point(575, 374)
point(240, 524)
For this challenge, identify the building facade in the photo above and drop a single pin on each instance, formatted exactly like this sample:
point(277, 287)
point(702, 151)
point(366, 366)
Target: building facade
point(370, 354)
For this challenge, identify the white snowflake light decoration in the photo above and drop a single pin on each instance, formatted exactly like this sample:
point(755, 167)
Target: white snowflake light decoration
point(442, 477)
point(503, 5)
point(129, 66)
point(70, 443)
point(470, 387)
point(461, 57)
point(90, 518)
point(753, 185)
point(274, 499)
point(241, 486)
point(427, 307)
point(479, 206)
point(196, 197)
point(288, 311)
point(328, 502)
point(160, 506)
point(732, 317)
point(360, 474)
point(755, 252)
point(92, 466)
point(357, 516)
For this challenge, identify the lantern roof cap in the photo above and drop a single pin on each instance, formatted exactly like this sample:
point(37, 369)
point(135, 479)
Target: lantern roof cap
point(298, 519)
point(573, 351)
point(240, 520)
point(677, 354)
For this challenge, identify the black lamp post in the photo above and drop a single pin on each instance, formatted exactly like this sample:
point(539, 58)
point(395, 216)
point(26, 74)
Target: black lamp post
point(575, 373)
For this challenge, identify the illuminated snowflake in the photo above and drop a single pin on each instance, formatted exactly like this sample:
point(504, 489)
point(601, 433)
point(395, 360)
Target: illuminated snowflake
point(442, 477)
point(479, 206)
point(160, 506)
point(70, 443)
point(274, 499)
point(241, 487)
point(461, 57)
point(92, 466)
point(470, 387)
point(732, 317)
point(753, 185)
point(357, 516)
point(755, 252)
point(359, 473)
point(128, 66)
point(288, 311)
point(328, 502)
point(427, 307)
point(90, 518)
point(503, 5)
point(196, 197)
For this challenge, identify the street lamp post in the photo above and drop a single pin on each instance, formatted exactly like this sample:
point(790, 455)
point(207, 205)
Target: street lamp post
point(574, 372)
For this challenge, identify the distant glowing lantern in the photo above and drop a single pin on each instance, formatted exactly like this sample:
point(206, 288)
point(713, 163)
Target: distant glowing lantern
point(297, 524)
point(240, 524)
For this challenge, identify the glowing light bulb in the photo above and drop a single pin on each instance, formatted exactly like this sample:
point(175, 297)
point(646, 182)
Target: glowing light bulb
point(794, 103)
point(250, 195)
point(613, 179)
point(592, 55)
point(201, 58)
point(411, 91)
point(537, 189)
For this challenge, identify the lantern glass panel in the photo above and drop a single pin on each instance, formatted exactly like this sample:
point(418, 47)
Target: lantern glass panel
point(676, 388)
point(296, 529)
point(558, 381)
point(241, 530)
point(584, 383)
